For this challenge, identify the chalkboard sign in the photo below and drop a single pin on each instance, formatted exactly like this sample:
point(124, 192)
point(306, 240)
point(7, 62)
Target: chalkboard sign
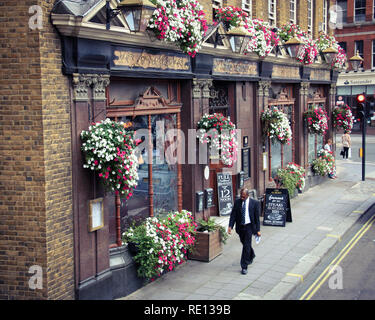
point(277, 207)
point(224, 193)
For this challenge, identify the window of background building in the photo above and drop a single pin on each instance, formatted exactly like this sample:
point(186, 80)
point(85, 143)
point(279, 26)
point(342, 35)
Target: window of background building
point(343, 45)
point(342, 11)
point(373, 55)
point(360, 10)
point(272, 12)
point(293, 11)
point(358, 47)
point(325, 16)
point(247, 7)
point(310, 16)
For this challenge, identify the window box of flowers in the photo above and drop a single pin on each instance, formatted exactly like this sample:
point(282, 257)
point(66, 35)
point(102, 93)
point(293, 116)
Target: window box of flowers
point(109, 150)
point(210, 238)
point(230, 16)
point(292, 177)
point(161, 243)
point(342, 118)
point(317, 120)
point(276, 125)
point(220, 133)
point(181, 22)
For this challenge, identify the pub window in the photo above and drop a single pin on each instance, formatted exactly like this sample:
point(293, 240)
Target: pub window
point(216, 4)
point(247, 7)
point(293, 11)
point(272, 12)
point(218, 102)
point(359, 10)
point(281, 154)
point(325, 16)
point(151, 115)
point(310, 16)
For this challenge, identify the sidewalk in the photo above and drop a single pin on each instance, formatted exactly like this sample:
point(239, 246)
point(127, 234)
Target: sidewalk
point(321, 216)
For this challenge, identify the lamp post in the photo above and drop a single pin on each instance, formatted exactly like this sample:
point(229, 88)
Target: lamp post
point(330, 54)
point(293, 46)
point(356, 61)
point(239, 38)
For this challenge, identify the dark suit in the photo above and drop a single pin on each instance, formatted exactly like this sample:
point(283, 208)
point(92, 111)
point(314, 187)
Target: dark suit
point(246, 231)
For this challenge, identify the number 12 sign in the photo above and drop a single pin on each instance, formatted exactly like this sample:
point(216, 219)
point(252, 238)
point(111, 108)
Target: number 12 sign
point(224, 193)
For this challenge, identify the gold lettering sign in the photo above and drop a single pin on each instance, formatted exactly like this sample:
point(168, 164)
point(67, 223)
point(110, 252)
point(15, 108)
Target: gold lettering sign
point(319, 74)
point(146, 60)
point(285, 72)
point(228, 66)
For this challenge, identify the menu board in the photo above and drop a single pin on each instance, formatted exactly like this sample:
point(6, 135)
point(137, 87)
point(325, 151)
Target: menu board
point(224, 193)
point(277, 207)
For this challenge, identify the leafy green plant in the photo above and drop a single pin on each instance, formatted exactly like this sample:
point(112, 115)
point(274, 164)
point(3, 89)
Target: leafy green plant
point(210, 225)
point(292, 177)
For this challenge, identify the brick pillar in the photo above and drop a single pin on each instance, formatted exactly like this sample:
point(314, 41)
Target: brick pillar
point(301, 137)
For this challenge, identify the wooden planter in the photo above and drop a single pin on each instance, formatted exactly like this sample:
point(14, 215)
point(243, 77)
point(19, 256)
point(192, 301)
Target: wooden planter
point(208, 246)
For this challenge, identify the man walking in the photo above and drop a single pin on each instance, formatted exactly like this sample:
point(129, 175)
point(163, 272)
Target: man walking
point(245, 215)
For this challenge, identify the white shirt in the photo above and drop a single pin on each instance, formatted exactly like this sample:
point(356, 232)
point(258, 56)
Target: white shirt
point(247, 216)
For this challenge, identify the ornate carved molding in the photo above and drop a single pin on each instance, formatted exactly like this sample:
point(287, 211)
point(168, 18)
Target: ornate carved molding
point(263, 88)
point(333, 89)
point(202, 88)
point(82, 83)
point(304, 90)
point(100, 82)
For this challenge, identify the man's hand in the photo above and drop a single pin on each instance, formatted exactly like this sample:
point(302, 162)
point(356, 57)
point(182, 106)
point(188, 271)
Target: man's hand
point(258, 233)
point(229, 230)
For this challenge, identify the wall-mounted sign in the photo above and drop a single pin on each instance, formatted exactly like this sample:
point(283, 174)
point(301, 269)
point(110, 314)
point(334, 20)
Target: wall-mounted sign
point(199, 201)
point(241, 179)
point(246, 164)
point(209, 198)
point(96, 214)
point(234, 67)
point(282, 71)
point(224, 193)
point(264, 160)
point(320, 74)
point(136, 58)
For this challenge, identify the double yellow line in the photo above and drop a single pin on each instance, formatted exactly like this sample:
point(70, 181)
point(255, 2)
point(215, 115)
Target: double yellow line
point(325, 274)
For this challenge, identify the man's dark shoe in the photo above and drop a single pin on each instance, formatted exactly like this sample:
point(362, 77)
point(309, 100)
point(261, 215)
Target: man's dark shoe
point(244, 271)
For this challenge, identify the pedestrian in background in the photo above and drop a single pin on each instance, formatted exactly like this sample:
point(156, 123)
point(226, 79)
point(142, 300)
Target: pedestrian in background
point(245, 215)
point(328, 147)
point(346, 143)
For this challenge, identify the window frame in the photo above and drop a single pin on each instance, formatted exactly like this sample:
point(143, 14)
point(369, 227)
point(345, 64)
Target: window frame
point(272, 19)
point(310, 17)
point(249, 10)
point(359, 8)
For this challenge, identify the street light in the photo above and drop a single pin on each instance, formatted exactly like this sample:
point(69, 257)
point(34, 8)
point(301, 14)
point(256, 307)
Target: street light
point(330, 54)
point(239, 38)
point(356, 61)
point(293, 46)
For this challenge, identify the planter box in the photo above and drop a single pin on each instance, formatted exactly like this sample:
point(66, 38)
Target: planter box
point(208, 246)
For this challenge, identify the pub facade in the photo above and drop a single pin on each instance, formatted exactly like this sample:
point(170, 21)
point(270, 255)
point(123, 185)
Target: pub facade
point(151, 85)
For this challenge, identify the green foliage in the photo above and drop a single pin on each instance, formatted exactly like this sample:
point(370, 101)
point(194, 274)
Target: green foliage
point(210, 225)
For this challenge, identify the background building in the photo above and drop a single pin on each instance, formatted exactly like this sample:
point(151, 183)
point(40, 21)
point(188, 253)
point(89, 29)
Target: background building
point(356, 33)
point(70, 70)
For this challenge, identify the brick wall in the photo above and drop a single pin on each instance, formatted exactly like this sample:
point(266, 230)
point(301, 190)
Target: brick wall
point(35, 171)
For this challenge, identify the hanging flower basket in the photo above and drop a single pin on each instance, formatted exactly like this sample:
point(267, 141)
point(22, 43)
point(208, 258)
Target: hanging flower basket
point(326, 41)
point(308, 51)
point(342, 118)
point(220, 132)
point(179, 21)
point(276, 125)
point(317, 120)
point(109, 150)
point(264, 39)
point(231, 16)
